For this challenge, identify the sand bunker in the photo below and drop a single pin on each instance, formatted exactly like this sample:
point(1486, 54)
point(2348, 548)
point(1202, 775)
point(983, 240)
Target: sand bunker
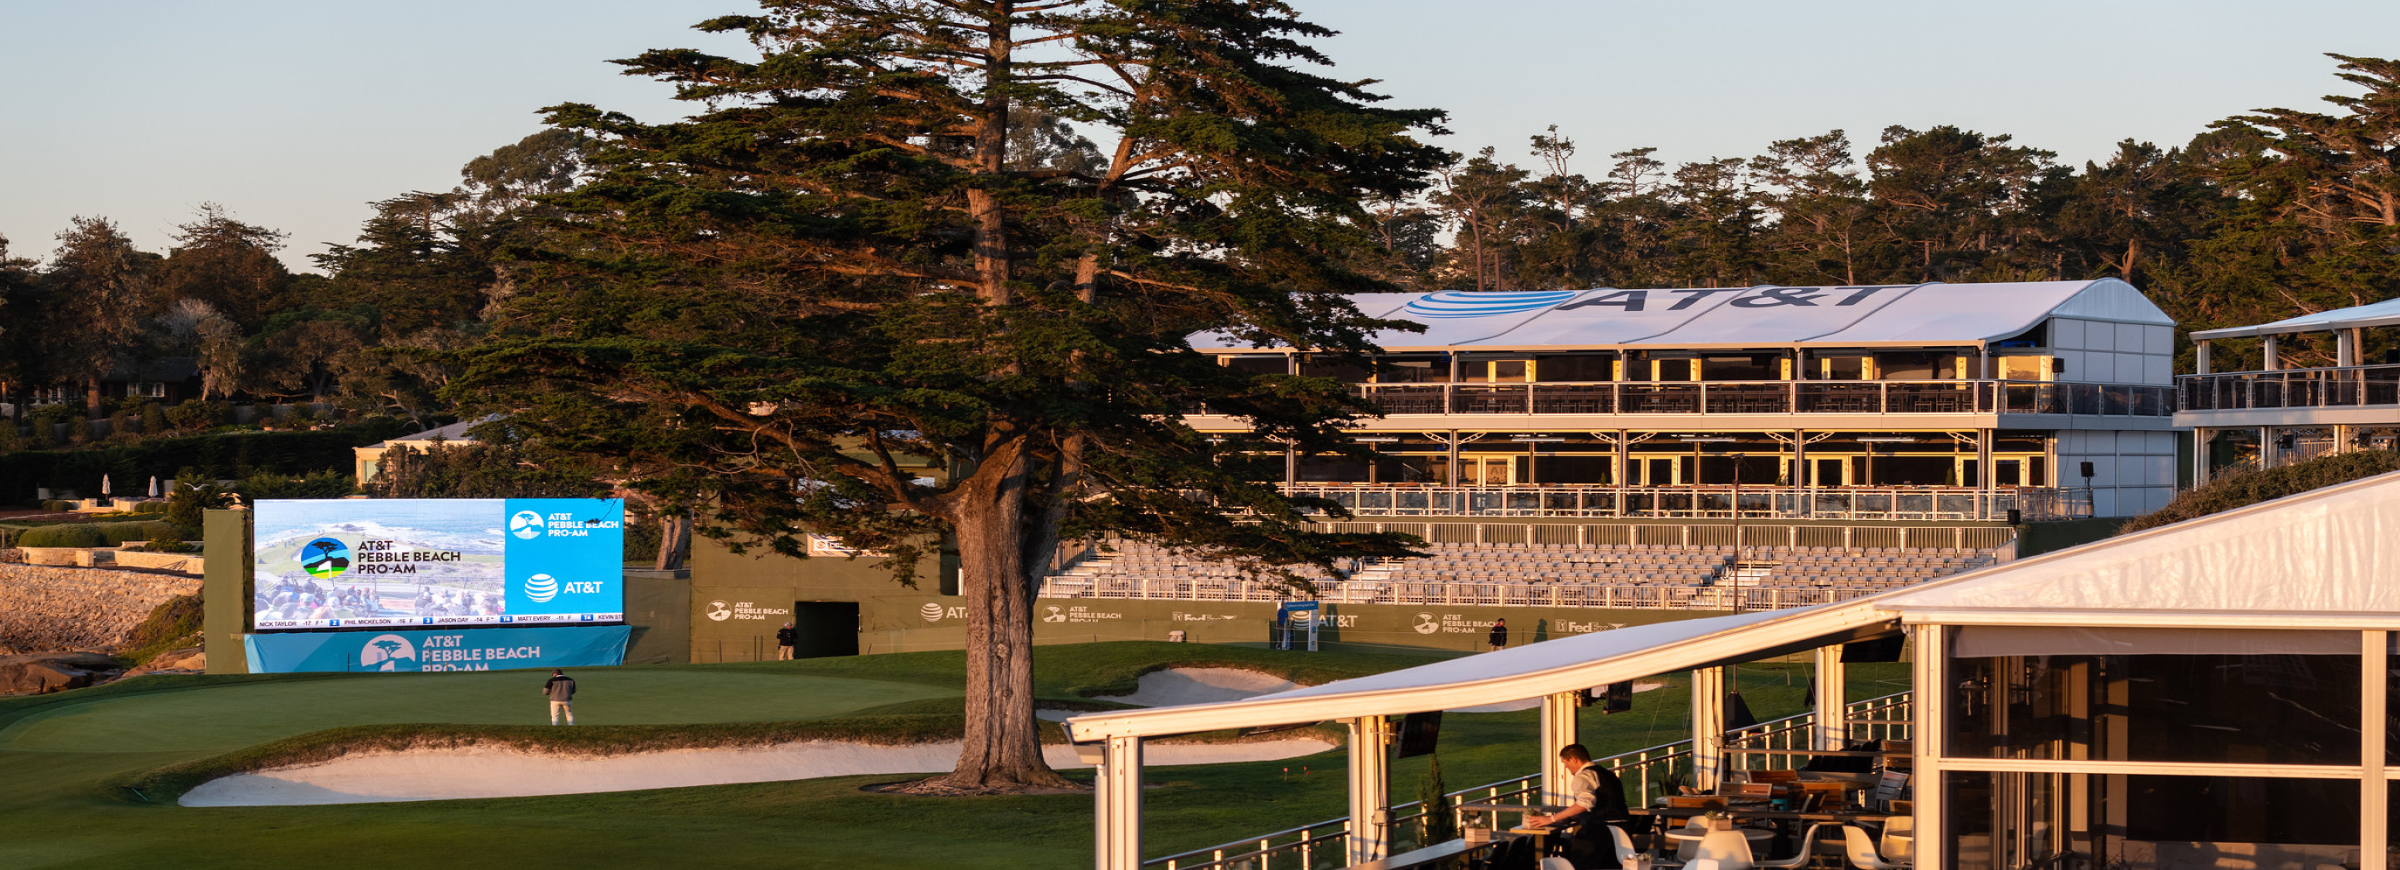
point(1178, 686)
point(492, 772)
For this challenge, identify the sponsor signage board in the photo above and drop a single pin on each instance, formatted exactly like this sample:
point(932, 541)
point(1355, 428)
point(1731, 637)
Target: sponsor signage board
point(437, 563)
point(411, 651)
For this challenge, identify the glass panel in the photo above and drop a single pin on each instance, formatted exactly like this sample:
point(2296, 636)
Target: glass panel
point(2022, 820)
point(2271, 709)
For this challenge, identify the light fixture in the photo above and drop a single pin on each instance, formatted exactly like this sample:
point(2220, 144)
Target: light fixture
point(1887, 439)
point(1376, 440)
point(1536, 439)
point(1704, 439)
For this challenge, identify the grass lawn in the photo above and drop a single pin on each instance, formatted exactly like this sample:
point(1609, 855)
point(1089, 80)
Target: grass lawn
point(58, 751)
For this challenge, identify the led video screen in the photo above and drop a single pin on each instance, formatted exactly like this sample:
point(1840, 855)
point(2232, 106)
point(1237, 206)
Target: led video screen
point(366, 563)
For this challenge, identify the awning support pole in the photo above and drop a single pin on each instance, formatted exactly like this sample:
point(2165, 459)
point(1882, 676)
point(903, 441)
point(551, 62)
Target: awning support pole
point(1119, 806)
point(1370, 790)
point(2274, 354)
point(1558, 730)
point(2345, 348)
point(1708, 728)
point(1927, 704)
point(2374, 798)
point(1833, 685)
point(2200, 353)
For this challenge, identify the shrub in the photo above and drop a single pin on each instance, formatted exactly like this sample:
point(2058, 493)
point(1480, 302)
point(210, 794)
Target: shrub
point(79, 430)
point(64, 535)
point(185, 504)
point(172, 624)
point(139, 530)
point(154, 419)
point(150, 507)
point(199, 414)
point(2251, 487)
point(57, 507)
point(315, 484)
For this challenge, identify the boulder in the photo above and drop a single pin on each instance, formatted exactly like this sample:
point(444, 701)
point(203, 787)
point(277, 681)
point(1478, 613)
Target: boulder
point(41, 673)
point(190, 660)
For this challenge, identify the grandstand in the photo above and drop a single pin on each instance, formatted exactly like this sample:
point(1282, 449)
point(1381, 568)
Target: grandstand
point(1637, 576)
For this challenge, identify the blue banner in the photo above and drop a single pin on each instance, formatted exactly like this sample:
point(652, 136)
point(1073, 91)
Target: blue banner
point(565, 558)
point(480, 649)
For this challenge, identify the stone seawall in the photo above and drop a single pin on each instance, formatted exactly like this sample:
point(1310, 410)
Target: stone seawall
point(45, 608)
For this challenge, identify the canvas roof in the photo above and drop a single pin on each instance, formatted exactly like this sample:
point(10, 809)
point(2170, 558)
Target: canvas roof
point(2322, 559)
point(1919, 315)
point(2385, 313)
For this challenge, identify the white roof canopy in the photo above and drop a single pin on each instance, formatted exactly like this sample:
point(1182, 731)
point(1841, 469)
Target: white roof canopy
point(2385, 313)
point(1903, 315)
point(2319, 560)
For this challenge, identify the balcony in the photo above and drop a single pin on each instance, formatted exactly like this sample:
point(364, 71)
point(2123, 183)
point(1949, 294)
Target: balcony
point(1773, 397)
point(2326, 388)
point(1902, 503)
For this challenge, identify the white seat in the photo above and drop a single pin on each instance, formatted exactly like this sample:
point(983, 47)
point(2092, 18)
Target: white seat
point(1862, 850)
point(1899, 842)
point(1808, 845)
point(1729, 849)
point(1623, 844)
point(1555, 863)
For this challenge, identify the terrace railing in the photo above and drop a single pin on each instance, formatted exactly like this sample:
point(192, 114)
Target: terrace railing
point(1646, 773)
point(1705, 501)
point(1655, 596)
point(1774, 397)
point(2341, 387)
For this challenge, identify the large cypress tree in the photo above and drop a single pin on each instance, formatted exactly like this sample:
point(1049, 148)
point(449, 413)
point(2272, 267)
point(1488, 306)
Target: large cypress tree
point(835, 300)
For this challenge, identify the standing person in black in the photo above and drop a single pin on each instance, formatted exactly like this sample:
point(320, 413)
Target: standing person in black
point(783, 643)
point(1598, 799)
point(561, 692)
point(1499, 636)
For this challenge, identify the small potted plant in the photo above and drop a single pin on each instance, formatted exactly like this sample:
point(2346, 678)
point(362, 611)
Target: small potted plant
point(1718, 819)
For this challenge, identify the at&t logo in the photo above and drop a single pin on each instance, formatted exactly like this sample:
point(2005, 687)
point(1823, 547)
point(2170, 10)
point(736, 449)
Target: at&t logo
point(541, 587)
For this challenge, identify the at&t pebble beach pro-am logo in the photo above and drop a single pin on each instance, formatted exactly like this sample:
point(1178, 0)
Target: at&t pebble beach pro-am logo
point(325, 558)
point(1426, 624)
point(388, 652)
point(1451, 304)
point(526, 525)
point(541, 587)
point(718, 611)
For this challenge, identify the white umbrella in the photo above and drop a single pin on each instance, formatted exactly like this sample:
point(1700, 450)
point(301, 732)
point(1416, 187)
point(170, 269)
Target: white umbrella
point(103, 484)
point(153, 486)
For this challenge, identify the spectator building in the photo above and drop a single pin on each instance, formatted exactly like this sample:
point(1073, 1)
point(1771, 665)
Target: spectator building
point(2277, 414)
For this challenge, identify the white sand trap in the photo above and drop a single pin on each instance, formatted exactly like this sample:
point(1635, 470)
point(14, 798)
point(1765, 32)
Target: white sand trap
point(493, 772)
point(1178, 686)
point(1531, 703)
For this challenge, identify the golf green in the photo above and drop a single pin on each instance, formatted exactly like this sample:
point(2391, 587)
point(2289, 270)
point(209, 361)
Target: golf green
point(230, 717)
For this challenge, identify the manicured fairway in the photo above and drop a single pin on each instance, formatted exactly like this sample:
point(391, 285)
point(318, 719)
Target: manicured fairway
point(58, 753)
point(240, 715)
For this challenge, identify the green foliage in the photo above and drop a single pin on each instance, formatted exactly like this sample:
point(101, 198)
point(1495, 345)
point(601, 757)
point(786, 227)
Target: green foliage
point(198, 414)
point(143, 530)
point(2241, 489)
point(150, 507)
point(315, 484)
point(57, 506)
point(64, 535)
point(222, 455)
point(173, 624)
point(479, 469)
point(154, 419)
point(1440, 824)
point(187, 504)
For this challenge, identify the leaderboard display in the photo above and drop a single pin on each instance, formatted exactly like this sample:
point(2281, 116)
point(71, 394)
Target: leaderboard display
point(369, 563)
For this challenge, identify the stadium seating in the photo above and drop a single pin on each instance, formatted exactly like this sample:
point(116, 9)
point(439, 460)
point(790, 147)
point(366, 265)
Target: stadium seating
point(1599, 575)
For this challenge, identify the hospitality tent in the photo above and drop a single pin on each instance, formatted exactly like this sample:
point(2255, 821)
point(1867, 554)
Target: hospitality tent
point(2302, 579)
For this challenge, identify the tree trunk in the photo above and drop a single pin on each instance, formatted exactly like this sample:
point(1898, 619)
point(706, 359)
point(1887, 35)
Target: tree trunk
point(674, 541)
point(1003, 751)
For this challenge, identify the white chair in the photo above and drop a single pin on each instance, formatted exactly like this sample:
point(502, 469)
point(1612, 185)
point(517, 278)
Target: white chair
point(1729, 849)
point(1861, 850)
point(1899, 841)
point(1623, 844)
point(1689, 848)
point(1808, 845)
point(1556, 863)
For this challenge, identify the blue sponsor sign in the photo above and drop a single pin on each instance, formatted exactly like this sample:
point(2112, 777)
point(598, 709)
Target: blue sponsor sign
point(565, 556)
point(413, 651)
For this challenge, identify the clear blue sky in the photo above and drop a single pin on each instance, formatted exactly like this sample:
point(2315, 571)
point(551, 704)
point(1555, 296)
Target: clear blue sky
point(296, 114)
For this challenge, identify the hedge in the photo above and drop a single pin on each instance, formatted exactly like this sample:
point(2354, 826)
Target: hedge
point(226, 455)
point(2242, 489)
point(64, 535)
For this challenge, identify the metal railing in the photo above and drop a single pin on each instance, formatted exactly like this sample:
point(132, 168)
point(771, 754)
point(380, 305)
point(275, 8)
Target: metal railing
point(1774, 397)
point(1705, 501)
point(2338, 387)
point(1646, 773)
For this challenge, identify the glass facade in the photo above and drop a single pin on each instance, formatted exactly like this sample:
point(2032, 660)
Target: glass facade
point(2245, 709)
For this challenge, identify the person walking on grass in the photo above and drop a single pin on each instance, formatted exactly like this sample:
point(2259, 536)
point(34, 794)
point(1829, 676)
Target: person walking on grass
point(783, 643)
point(561, 690)
point(1499, 638)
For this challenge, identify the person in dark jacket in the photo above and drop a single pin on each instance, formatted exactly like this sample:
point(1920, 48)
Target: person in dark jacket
point(561, 691)
point(1499, 636)
point(783, 643)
